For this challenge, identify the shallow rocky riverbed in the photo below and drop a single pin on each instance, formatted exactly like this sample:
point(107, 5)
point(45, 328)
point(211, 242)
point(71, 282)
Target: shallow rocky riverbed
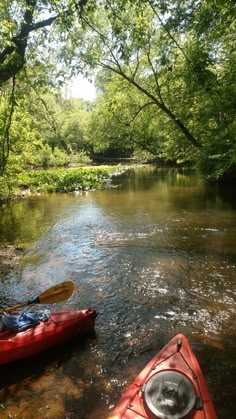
point(9, 259)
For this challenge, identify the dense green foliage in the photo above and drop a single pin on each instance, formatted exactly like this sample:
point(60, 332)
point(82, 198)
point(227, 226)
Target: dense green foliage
point(165, 77)
point(58, 180)
point(175, 62)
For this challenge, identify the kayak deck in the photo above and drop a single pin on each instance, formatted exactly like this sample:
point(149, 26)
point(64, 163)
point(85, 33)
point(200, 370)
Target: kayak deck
point(59, 328)
point(171, 381)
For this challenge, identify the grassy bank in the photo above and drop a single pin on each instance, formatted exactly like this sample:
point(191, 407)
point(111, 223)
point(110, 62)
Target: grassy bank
point(58, 180)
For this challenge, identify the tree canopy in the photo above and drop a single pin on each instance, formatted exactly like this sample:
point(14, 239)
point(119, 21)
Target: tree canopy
point(165, 76)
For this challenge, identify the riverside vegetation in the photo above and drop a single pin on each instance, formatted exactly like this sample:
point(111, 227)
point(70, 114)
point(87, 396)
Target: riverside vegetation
point(58, 180)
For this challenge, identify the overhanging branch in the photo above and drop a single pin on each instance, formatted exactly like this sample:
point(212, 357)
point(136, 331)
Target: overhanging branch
point(159, 104)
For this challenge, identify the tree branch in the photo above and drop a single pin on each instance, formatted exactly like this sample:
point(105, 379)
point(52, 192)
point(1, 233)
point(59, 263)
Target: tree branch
point(158, 89)
point(12, 58)
point(160, 105)
point(139, 110)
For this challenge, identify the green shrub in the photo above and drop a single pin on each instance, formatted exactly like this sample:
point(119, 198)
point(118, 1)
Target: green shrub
point(66, 180)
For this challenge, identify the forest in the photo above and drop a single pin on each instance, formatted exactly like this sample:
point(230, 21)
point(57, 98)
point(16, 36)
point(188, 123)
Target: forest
point(164, 73)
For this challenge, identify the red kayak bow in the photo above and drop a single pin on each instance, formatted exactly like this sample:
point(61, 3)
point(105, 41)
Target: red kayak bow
point(171, 386)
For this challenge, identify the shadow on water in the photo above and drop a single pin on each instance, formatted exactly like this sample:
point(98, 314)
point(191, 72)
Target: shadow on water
point(23, 382)
point(220, 372)
point(34, 365)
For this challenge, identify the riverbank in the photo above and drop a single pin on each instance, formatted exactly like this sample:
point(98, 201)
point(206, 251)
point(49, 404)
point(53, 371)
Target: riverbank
point(58, 180)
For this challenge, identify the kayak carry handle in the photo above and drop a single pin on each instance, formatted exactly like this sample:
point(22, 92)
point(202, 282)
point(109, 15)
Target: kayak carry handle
point(179, 344)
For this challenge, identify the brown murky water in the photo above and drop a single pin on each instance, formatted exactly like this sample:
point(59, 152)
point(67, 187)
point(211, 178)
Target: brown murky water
point(155, 256)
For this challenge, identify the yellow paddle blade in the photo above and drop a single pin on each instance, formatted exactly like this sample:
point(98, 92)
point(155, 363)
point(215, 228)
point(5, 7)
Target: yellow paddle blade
point(57, 293)
point(52, 295)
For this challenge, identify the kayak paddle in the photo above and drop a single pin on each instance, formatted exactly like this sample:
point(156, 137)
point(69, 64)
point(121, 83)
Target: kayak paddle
point(52, 295)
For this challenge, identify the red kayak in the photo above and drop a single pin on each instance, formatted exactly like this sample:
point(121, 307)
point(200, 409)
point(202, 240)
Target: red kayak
point(171, 386)
point(59, 328)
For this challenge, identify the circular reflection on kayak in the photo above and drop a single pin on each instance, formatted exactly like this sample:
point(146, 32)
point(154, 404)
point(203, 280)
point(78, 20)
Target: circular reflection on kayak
point(169, 395)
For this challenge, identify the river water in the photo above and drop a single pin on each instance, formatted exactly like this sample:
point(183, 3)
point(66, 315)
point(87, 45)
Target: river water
point(155, 254)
